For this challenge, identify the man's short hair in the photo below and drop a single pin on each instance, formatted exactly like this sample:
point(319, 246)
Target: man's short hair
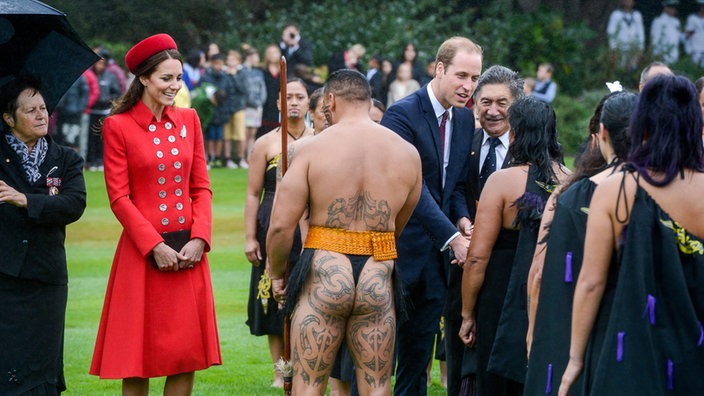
point(548, 67)
point(498, 74)
point(449, 48)
point(645, 74)
point(348, 84)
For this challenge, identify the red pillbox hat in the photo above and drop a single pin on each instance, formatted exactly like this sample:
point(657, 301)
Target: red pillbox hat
point(146, 48)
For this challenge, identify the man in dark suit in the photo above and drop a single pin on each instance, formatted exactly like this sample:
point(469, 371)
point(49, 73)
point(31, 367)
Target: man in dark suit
point(436, 121)
point(295, 49)
point(497, 89)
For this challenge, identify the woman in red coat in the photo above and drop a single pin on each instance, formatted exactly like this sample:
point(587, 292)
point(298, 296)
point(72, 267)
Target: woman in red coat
point(159, 316)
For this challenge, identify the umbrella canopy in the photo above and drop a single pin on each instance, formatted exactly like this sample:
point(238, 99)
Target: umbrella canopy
point(36, 41)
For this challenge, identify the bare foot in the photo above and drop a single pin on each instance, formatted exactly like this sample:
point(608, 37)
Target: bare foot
point(278, 380)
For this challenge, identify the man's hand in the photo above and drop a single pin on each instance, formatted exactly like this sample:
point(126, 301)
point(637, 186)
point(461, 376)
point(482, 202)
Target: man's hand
point(459, 246)
point(278, 290)
point(465, 227)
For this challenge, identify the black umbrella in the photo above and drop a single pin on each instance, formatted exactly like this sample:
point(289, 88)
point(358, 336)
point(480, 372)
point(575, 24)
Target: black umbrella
point(36, 41)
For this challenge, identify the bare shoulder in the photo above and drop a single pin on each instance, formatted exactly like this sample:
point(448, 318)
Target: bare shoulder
point(508, 183)
point(396, 141)
point(510, 174)
point(616, 189)
point(562, 172)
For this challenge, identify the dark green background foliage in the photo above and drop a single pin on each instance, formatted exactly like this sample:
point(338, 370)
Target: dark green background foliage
point(518, 34)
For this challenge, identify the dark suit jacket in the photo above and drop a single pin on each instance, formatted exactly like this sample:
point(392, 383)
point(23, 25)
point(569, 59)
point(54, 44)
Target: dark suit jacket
point(473, 189)
point(304, 55)
point(433, 221)
point(380, 87)
point(32, 238)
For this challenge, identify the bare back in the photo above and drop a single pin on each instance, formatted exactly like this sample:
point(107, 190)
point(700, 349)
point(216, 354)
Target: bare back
point(356, 176)
point(359, 178)
point(681, 200)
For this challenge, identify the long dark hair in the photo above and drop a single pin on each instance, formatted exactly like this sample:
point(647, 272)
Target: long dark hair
point(616, 117)
point(136, 89)
point(534, 129)
point(666, 129)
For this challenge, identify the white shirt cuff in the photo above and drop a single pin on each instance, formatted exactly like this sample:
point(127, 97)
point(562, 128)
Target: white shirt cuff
point(447, 244)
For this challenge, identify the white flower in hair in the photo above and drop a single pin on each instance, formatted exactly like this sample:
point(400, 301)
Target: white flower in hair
point(614, 86)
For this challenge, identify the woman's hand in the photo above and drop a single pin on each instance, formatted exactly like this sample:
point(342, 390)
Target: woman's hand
point(572, 372)
point(468, 331)
point(12, 196)
point(191, 253)
point(253, 252)
point(166, 258)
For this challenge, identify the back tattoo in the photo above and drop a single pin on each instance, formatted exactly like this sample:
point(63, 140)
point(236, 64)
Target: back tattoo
point(375, 214)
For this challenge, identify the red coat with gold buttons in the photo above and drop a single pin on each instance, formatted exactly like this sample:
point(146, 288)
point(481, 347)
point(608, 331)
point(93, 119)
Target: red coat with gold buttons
point(156, 323)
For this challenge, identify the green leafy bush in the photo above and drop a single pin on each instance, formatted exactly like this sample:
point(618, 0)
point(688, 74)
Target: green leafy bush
point(573, 114)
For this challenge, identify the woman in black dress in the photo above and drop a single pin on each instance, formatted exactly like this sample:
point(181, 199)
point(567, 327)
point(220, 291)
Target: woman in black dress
point(646, 226)
point(263, 315)
point(506, 228)
point(558, 256)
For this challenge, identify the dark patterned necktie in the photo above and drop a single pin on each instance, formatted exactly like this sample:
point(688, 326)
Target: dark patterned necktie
point(443, 121)
point(489, 165)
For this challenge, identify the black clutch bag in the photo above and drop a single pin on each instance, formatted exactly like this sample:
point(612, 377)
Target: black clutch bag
point(175, 240)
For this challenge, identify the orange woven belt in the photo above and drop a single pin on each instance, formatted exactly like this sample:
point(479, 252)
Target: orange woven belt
point(381, 245)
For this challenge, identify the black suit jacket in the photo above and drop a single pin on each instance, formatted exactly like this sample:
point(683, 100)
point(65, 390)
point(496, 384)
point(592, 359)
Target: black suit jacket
point(380, 87)
point(439, 208)
point(302, 55)
point(473, 189)
point(32, 238)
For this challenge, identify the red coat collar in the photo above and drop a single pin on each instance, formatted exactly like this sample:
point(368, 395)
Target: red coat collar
point(144, 117)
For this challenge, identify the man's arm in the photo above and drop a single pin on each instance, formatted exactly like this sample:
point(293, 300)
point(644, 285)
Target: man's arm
point(412, 200)
point(435, 222)
point(288, 208)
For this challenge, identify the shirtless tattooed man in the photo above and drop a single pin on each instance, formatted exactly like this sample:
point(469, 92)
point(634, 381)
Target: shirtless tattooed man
point(361, 182)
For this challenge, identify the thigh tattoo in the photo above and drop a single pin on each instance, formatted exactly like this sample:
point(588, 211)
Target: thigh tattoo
point(320, 320)
point(373, 325)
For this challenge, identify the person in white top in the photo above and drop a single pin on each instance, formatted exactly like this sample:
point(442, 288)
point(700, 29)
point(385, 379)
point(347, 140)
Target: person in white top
point(666, 33)
point(694, 33)
point(626, 34)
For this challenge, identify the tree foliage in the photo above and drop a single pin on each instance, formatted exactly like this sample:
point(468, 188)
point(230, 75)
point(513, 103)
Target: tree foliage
point(518, 34)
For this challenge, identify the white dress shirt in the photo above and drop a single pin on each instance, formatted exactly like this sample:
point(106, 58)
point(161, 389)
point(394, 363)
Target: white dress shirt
point(439, 111)
point(501, 150)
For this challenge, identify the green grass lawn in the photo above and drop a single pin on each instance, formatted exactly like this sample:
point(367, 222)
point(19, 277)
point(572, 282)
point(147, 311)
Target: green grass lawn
point(91, 242)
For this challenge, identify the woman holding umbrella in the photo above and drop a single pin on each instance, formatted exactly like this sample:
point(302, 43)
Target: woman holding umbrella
point(159, 316)
point(41, 191)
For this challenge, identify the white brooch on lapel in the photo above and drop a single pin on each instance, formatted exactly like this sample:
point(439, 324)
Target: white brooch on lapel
point(183, 132)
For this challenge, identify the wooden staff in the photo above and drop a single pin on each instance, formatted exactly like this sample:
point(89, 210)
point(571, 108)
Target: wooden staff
point(287, 367)
point(284, 117)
